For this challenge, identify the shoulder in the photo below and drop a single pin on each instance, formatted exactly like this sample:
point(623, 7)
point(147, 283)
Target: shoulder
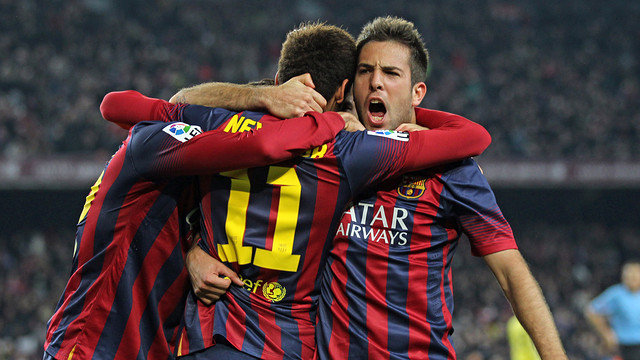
point(616, 288)
point(431, 113)
point(178, 130)
point(464, 168)
point(370, 138)
point(149, 137)
point(609, 294)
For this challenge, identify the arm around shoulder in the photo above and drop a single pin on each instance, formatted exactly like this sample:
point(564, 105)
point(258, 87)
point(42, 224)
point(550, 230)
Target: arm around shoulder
point(291, 99)
point(127, 108)
point(452, 137)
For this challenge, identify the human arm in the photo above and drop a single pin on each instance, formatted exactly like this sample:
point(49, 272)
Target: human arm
point(294, 98)
point(473, 204)
point(408, 127)
point(520, 345)
point(601, 324)
point(426, 149)
point(464, 137)
point(157, 152)
point(129, 107)
point(450, 138)
point(527, 301)
point(240, 142)
point(453, 135)
point(210, 278)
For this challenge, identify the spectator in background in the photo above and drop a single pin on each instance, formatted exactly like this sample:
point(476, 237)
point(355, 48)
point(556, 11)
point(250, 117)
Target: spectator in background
point(615, 314)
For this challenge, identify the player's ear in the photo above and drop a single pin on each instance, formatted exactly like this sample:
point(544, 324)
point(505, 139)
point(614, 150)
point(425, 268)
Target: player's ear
point(340, 93)
point(418, 93)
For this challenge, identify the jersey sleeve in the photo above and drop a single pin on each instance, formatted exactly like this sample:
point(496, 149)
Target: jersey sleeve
point(370, 157)
point(469, 197)
point(451, 137)
point(602, 304)
point(129, 107)
point(204, 142)
point(386, 154)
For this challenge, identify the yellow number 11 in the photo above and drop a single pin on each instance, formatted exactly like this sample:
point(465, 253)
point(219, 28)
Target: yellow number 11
point(281, 256)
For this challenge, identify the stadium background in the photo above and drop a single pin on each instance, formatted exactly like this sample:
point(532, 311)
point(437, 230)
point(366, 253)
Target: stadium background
point(557, 84)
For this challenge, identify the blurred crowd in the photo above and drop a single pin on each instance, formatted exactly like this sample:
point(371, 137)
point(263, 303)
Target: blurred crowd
point(549, 79)
point(34, 266)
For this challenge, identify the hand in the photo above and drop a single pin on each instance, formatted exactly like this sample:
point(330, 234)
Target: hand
point(351, 122)
point(294, 98)
point(210, 278)
point(408, 127)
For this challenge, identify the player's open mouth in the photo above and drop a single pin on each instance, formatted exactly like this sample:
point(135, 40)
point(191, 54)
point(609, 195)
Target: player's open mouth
point(377, 110)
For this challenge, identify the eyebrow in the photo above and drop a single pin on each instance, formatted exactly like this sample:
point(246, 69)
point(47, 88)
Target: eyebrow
point(384, 68)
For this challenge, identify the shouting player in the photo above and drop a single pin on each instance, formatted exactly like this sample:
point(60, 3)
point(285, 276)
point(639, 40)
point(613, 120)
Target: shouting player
point(387, 292)
point(274, 225)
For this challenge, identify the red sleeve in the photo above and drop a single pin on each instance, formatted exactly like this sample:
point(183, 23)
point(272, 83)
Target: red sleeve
point(158, 154)
point(451, 138)
point(127, 108)
point(214, 150)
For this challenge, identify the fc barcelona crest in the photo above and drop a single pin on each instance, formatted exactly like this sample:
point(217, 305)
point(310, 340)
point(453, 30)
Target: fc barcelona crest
point(412, 187)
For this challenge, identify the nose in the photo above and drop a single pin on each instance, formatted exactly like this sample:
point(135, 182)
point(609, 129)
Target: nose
point(376, 80)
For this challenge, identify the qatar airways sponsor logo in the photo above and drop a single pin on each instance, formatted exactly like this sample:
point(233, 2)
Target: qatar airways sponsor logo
point(377, 224)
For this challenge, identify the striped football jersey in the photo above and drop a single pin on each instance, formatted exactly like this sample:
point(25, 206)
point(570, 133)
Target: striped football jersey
point(274, 226)
point(387, 290)
point(125, 296)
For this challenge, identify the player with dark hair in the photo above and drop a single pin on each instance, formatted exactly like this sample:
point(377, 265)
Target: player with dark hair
point(274, 225)
point(387, 292)
point(126, 293)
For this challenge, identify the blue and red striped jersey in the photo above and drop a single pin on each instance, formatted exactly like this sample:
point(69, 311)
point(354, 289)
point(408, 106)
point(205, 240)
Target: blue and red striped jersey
point(274, 226)
point(267, 227)
point(387, 289)
point(125, 296)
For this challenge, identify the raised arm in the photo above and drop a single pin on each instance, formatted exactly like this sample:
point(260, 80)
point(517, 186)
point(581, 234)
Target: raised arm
point(291, 99)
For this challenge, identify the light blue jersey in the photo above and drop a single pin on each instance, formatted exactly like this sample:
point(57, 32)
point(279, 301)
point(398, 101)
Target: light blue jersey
point(622, 307)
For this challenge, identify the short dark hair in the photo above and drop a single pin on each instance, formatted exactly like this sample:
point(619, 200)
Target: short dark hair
point(391, 28)
point(327, 52)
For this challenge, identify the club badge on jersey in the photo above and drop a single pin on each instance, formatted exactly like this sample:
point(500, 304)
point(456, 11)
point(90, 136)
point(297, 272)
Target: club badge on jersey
point(412, 187)
point(181, 131)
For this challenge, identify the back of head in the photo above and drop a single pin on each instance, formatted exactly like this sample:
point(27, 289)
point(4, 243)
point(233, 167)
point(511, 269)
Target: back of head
point(391, 28)
point(327, 52)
